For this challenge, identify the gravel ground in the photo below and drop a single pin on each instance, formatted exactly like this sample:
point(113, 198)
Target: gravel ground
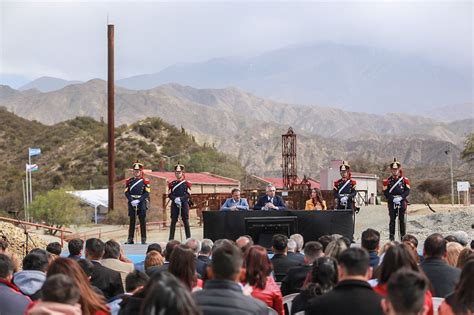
point(421, 221)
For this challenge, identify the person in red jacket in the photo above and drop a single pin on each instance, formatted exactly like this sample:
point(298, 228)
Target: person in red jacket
point(396, 189)
point(258, 268)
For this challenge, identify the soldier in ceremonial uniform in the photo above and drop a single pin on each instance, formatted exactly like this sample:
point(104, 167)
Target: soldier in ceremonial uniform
point(179, 196)
point(137, 191)
point(344, 188)
point(396, 189)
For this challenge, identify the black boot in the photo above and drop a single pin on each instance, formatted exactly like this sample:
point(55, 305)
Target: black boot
point(187, 228)
point(129, 241)
point(172, 229)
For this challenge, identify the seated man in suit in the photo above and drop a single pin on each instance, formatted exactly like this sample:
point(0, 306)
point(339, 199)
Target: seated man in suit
point(106, 279)
point(235, 203)
point(296, 276)
point(281, 262)
point(270, 201)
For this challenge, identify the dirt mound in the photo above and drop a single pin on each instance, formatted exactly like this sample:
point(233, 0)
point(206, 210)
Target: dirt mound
point(16, 239)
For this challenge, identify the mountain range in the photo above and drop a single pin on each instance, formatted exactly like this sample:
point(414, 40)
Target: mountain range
point(250, 128)
point(349, 77)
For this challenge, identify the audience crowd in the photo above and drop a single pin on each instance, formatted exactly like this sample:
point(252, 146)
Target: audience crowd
point(327, 276)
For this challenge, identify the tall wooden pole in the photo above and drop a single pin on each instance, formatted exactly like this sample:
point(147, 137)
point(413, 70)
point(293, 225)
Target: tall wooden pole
point(111, 113)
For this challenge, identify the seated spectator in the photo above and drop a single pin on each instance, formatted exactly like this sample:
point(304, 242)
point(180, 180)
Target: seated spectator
point(107, 280)
point(88, 268)
point(281, 262)
point(316, 202)
point(223, 293)
point(183, 267)
point(75, 248)
point(464, 255)
point(442, 276)
point(335, 248)
point(323, 278)
point(270, 201)
point(140, 266)
point(298, 238)
point(204, 254)
point(244, 243)
point(31, 278)
point(450, 238)
point(352, 295)
point(134, 282)
point(462, 238)
point(325, 240)
point(14, 257)
point(166, 295)
point(195, 246)
point(91, 302)
point(412, 243)
point(153, 259)
point(453, 249)
point(396, 258)
point(236, 203)
point(296, 276)
point(60, 296)
point(12, 301)
point(168, 251)
point(258, 270)
point(54, 249)
point(371, 242)
point(461, 301)
point(406, 294)
point(111, 260)
point(292, 252)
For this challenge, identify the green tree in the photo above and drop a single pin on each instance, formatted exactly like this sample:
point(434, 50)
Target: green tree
point(57, 208)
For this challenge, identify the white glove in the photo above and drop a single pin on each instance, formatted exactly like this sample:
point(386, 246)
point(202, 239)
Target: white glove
point(135, 203)
point(344, 200)
point(397, 200)
point(177, 201)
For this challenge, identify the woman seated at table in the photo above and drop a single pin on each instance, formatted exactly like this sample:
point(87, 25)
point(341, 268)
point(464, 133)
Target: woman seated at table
point(316, 202)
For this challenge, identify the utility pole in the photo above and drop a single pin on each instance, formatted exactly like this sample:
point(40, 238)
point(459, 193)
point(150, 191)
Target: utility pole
point(111, 113)
point(449, 153)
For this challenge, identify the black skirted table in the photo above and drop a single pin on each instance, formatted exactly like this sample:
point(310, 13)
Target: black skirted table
point(310, 224)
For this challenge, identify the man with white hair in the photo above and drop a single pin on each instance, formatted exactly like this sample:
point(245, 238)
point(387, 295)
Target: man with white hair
point(195, 246)
point(295, 254)
point(270, 201)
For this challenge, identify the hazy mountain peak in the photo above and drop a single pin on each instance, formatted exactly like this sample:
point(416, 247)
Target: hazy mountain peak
point(47, 84)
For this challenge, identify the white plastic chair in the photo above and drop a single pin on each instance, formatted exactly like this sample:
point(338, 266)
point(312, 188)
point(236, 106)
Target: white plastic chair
point(288, 300)
point(436, 303)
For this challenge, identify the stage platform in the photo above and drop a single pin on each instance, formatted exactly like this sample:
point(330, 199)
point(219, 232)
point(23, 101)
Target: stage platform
point(310, 224)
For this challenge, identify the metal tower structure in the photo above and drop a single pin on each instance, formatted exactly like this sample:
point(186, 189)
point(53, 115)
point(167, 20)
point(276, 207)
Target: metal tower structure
point(288, 145)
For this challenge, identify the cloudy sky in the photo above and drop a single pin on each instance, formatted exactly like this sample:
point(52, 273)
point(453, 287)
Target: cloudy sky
point(67, 39)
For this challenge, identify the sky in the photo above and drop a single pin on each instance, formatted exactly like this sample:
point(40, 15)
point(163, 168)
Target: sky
point(68, 39)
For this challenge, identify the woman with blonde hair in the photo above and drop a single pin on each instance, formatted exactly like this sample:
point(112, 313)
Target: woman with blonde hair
point(316, 202)
point(153, 258)
point(453, 250)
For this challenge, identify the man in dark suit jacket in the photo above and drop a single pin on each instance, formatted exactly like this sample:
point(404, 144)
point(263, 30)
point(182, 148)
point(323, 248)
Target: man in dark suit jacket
point(295, 277)
point(223, 294)
point(270, 201)
point(281, 262)
point(107, 280)
point(203, 259)
point(353, 294)
point(442, 276)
